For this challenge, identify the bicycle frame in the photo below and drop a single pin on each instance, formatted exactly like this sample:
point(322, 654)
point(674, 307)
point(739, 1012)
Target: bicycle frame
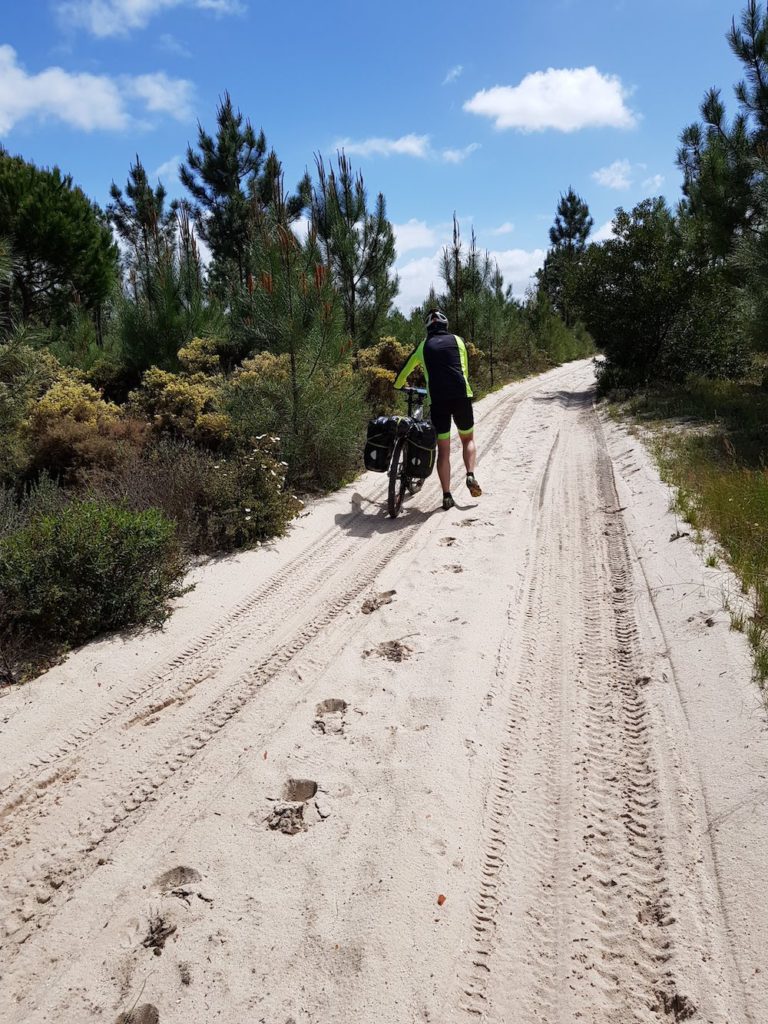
point(399, 481)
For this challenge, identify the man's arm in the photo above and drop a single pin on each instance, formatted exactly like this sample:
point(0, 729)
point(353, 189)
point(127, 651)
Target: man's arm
point(416, 358)
point(464, 363)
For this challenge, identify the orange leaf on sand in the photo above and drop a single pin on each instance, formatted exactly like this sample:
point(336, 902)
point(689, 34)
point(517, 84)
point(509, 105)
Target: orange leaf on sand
point(440, 900)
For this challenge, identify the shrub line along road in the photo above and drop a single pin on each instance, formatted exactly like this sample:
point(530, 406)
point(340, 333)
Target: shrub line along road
point(529, 786)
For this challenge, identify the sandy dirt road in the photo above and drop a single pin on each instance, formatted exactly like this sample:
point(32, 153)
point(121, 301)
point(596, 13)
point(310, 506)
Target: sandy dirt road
point(530, 786)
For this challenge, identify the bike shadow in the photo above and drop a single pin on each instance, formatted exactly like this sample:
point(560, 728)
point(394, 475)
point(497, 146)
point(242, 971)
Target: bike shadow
point(369, 517)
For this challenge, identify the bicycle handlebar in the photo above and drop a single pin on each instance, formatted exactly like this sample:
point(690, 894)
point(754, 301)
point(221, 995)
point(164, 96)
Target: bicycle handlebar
point(415, 391)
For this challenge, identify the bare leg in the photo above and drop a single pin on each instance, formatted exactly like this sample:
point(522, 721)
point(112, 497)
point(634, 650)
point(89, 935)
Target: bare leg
point(444, 464)
point(470, 451)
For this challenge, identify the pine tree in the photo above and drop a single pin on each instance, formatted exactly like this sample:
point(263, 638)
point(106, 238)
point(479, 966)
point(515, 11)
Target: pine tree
point(358, 245)
point(231, 178)
point(724, 162)
point(568, 241)
point(64, 255)
point(145, 225)
point(220, 176)
point(573, 224)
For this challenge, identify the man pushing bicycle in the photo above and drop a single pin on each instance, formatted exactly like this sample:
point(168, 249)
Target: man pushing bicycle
point(443, 357)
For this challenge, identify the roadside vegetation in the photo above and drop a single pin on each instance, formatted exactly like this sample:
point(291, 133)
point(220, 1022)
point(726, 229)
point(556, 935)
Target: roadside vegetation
point(710, 441)
point(677, 302)
point(157, 405)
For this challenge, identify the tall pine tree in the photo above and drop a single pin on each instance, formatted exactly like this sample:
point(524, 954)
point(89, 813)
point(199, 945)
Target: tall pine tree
point(568, 240)
point(231, 178)
point(145, 225)
point(358, 245)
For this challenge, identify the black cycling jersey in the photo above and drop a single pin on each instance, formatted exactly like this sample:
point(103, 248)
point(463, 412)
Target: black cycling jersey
point(444, 358)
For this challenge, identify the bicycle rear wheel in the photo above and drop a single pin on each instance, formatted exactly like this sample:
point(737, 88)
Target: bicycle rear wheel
point(397, 479)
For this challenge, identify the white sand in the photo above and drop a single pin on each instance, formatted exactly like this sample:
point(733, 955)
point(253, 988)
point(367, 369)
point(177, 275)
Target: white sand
point(568, 754)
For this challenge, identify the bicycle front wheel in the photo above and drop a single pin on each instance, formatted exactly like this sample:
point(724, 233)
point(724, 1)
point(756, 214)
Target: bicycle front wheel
point(397, 479)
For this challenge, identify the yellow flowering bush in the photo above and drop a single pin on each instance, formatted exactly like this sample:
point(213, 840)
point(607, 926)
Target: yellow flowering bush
point(183, 406)
point(200, 356)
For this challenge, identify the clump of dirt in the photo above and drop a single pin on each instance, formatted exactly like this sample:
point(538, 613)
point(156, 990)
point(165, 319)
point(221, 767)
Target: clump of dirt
point(372, 604)
point(676, 1006)
point(184, 973)
point(448, 542)
point(392, 650)
point(455, 568)
point(144, 1014)
point(158, 933)
point(287, 818)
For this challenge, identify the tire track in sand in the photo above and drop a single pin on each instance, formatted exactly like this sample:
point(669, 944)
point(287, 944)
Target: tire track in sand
point(574, 917)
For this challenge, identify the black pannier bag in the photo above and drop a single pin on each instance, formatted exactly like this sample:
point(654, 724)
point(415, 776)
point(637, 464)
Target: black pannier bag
point(422, 449)
point(379, 444)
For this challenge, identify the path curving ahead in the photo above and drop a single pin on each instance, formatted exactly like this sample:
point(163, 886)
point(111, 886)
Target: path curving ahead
point(504, 764)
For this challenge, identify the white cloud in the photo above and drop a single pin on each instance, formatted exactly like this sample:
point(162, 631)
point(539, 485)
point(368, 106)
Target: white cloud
point(406, 145)
point(301, 228)
point(518, 267)
point(82, 100)
point(504, 229)
point(104, 18)
point(618, 175)
point(417, 276)
point(654, 183)
point(603, 233)
point(457, 156)
point(563, 99)
point(414, 234)
point(169, 169)
point(453, 74)
point(163, 95)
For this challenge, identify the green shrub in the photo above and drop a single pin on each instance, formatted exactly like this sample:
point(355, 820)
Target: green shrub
point(25, 374)
point(88, 568)
point(218, 504)
point(320, 426)
point(71, 430)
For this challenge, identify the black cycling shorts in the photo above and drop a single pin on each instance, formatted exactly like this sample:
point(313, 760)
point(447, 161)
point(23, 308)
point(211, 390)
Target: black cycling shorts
point(457, 409)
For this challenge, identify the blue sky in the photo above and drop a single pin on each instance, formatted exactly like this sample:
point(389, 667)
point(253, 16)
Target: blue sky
point(490, 109)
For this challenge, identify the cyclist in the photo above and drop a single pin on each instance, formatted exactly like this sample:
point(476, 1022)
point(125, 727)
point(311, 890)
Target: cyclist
point(443, 357)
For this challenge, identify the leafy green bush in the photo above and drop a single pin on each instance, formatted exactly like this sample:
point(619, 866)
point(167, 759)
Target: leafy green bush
point(218, 504)
point(90, 567)
point(320, 425)
point(25, 374)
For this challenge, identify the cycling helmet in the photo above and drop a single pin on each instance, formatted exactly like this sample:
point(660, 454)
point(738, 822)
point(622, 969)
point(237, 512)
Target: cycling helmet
point(436, 318)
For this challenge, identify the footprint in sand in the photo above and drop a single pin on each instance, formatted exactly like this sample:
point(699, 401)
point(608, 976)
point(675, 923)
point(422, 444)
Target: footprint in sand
point(176, 878)
point(329, 717)
point(301, 806)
